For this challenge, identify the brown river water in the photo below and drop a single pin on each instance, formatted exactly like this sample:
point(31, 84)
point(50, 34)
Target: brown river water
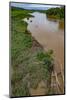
point(49, 33)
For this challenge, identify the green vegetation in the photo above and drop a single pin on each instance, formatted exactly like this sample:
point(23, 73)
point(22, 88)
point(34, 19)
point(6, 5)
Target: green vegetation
point(18, 13)
point(57, 13)
point(47, 59)
point(29, 63)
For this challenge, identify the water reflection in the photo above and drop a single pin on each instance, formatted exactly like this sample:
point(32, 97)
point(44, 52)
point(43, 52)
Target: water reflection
point(61, 25)
point(50, 19)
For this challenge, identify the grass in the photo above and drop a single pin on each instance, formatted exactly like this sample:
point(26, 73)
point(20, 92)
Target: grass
point(23, 91)
point(28, 62)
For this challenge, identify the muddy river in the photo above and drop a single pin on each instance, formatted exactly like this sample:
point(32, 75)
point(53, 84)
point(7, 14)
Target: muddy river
point(49, 33)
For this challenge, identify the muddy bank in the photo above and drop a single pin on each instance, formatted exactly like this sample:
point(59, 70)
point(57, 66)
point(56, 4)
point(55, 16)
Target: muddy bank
point(40, 86)
point(56, 77)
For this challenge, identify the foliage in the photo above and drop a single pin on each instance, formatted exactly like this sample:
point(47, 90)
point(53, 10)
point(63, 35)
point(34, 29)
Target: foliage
point(47, 59)
point(57, 12)
point(20, 89)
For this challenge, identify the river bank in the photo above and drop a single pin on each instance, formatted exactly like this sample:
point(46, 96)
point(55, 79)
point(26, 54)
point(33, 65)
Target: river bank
point(31, 66)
